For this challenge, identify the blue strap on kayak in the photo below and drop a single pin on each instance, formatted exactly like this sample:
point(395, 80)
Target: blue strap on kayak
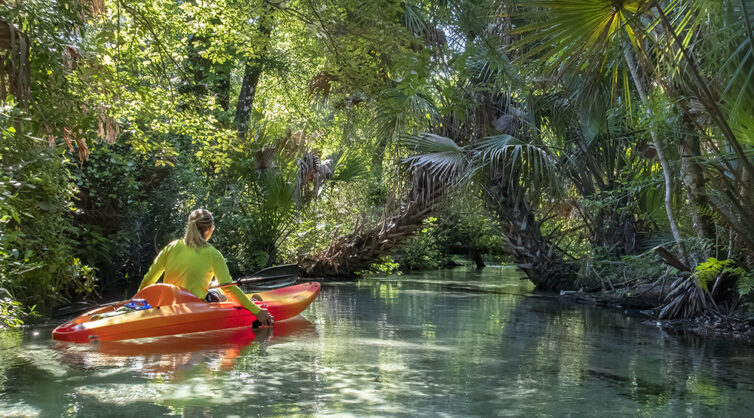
point(138, 304)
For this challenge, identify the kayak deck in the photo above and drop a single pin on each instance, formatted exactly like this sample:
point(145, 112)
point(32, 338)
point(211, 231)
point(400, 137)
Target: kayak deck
point(177, 311)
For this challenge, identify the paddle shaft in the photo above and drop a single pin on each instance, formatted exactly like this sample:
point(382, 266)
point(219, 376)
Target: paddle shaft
point(265, 275)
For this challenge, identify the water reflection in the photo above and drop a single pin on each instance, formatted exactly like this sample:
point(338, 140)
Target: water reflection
point(175, 357)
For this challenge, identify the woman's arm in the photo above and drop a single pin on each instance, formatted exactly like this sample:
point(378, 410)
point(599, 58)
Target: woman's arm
point(235, 294)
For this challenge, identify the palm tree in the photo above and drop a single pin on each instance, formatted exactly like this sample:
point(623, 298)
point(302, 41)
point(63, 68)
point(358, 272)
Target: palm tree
point(508, 170)
point(512, 168)
point(596, 153)
point(585, 36)
point(699, 56)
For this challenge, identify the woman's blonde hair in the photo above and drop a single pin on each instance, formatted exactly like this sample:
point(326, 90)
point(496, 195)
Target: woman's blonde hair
point(199, 222)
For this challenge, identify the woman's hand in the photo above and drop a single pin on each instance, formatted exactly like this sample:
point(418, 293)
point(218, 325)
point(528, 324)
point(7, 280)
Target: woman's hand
point(264, 317)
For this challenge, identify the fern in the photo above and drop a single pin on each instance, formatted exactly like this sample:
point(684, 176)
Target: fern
point(713, 268)
point(710, 212)
point(745, 284)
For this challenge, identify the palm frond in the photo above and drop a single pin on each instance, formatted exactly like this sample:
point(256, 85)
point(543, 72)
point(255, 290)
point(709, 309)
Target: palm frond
point(576, 33)
point(347, 166)
point(516, 157)
point(439, 157)
point(490, 64)
point(414, 19)
point(396, 111)
point(739, 67)
point(426, 143)
point(277, 194)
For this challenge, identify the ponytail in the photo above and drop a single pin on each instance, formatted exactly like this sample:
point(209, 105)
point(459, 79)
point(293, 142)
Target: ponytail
point(199, 222)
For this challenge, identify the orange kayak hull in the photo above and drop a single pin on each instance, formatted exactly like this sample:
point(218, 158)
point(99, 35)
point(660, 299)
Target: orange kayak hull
point(176, 311)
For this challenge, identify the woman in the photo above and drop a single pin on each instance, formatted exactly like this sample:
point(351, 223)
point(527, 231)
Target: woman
point(190, 263)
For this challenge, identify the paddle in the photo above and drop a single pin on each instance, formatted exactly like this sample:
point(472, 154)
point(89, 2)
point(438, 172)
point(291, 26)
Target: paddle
point(284, 272)
point(271, 273)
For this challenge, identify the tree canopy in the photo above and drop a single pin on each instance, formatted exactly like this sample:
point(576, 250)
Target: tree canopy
point(352, 136)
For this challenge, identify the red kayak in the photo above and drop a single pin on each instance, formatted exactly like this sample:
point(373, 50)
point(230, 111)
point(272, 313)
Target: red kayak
point(171, 310)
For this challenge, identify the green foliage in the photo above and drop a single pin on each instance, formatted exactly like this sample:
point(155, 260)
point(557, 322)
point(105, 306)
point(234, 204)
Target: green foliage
point(37, 265)
point(348, 167)
point(109, 194)
point(421, 252)
point(384, 266)
point(467, 229)
point(457, 230)
point(336, 214)
point(453, 82)
point(712, 268)
point(745, 284)
point(643, 267)
point(12, 312)
point(261, 220)
point(604, 272)
point(126, 203)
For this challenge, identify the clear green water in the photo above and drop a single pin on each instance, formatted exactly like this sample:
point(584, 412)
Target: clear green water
point(447, 343)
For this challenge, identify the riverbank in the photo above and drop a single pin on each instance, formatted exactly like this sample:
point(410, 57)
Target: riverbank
point(645, 300)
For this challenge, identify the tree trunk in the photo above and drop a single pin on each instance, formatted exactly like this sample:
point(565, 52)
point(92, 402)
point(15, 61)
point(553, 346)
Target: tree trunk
point(693, 177)
point(251, 74)
point(667, 173)
point(541, 261)
point(615, 232)
point(361, 248)
point(478, 260)
point(252, 71)
point(15, 76)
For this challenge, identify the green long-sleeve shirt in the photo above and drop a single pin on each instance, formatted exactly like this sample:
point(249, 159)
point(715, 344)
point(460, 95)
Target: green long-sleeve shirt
point(192, 269)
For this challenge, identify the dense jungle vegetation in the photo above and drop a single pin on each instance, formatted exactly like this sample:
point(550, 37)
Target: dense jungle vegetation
point(597, 144)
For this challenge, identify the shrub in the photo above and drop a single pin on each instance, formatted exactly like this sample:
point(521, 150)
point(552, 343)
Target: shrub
point(37, 264)
point(421, 252)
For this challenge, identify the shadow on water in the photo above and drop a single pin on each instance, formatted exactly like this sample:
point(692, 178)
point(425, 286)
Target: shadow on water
point(518, 352)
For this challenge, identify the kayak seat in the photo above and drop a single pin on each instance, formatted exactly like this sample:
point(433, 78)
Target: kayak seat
point(161, 294)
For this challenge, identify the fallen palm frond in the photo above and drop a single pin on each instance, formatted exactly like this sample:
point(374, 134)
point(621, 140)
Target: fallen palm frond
point(686, 299)
point(692, 296)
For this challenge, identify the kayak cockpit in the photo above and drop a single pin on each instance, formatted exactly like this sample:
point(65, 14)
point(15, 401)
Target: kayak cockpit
point(162, 294)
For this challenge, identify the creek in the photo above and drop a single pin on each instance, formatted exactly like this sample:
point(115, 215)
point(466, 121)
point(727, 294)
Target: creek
point(454, 342)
